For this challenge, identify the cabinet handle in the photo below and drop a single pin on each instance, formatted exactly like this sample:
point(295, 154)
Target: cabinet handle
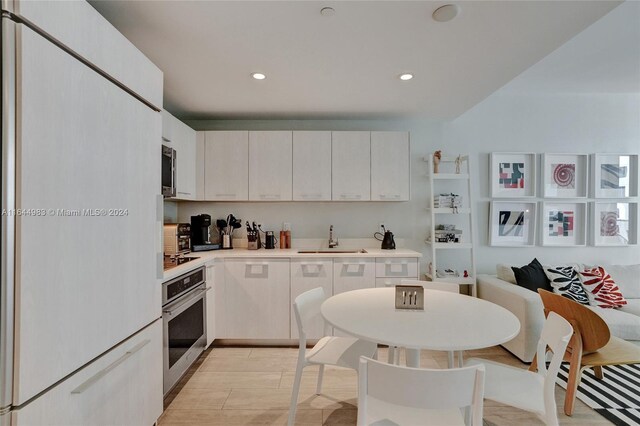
point(270, 196)
point(350, 196)
point(88, 383)
point(354, 263)
point(311, 196)
point(390, 196)
point(184, 193)
point(226, 195)
point(403, 262)
point(256, 263)
point(311, 263)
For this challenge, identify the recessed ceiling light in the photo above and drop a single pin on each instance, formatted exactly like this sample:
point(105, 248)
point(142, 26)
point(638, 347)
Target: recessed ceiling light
point(446, 13)
point(406, 76)
point(258, 76)
point(327, 11)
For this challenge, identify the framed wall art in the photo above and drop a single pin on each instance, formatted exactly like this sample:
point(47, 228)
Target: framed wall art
point(614, 175)
point(512, 174)
point(512, 224)
point(614, 223)
point(564, 175)
point(563, 224)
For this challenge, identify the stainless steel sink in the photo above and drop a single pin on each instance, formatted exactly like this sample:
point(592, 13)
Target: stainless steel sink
point(357, 251)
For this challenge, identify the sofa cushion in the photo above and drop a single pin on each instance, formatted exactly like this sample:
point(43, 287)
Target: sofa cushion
point(627, 277)
point(632, 307)
point(532, 276)
point(565, 281)
point(505, 273)
point(601, 288)
point(622, 323)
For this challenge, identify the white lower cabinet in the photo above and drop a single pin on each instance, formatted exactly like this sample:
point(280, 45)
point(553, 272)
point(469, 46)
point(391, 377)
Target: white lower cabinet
point(220, 308)
point(211, 303)
point(397, 267)
point(122, 387)
point(352, 274)
point(307, 274)
point(257, 298)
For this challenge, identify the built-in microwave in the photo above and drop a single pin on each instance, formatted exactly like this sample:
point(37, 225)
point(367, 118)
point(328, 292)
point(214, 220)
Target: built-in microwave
point(168, 171)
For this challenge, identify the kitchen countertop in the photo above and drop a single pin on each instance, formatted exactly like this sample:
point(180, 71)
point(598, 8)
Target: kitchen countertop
point(239, 253)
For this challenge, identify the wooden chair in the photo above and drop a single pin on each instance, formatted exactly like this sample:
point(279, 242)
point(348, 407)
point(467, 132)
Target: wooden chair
point(339, 351)
point(394, 395)
point(591, 345)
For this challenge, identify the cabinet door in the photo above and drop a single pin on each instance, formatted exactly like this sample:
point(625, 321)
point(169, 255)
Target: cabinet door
point(199, 166)
point(257, 298)
point(350, 166)
point(167, 127)
point(307, 274)
point(353, 274)
point(270, 156)
point(311, 166)
point(390, 166)
point(95, 279)
point(211, 303)
point(220, 308)
point(122, 387)
point(185, 146)
point(226, 166)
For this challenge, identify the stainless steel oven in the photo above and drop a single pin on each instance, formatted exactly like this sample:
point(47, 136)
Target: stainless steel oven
point(184, 324)
point(169, 169)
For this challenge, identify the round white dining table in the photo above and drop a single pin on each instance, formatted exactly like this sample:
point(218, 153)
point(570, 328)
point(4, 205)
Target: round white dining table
point(449, 321)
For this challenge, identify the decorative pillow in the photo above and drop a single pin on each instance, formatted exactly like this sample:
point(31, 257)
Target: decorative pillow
point(565, 282)
point(532, 276)
point(601, 289)
point(627, 278)
point(505, 273)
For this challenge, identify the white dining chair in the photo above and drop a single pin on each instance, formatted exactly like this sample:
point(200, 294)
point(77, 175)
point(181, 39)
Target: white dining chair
point(395, 395)
point(527, 390)
point(339, 351)
point(393, 356)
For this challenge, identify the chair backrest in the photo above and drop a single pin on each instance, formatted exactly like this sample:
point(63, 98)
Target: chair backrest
point(434, 285)
point(307, 308)
point(420, 388)
point(556, 334)
point(594, 332)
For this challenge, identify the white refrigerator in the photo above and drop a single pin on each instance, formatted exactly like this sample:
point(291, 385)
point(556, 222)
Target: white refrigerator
point(80, 263)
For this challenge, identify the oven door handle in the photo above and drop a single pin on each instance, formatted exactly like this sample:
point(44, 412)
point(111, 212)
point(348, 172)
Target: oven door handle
point(195, 295)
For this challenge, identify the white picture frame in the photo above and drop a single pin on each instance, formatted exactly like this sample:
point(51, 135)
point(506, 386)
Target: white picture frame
point(563, 224)
point(614, 175)
point(565, 175)
point(512, 223)
point(614, 223)
point(513, 174)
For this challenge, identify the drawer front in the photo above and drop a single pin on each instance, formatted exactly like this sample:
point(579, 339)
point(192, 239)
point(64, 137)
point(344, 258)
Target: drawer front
point(123, 387)
point(397, 267)
point(307, 274)
point(353, 274)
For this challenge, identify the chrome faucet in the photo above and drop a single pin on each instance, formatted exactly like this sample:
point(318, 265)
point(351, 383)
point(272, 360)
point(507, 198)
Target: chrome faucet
point(332, 243)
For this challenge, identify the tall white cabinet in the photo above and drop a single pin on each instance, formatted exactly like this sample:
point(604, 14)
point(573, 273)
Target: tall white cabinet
point(390, 166)
point(350, 166)
point(270, 168)
point(311, 166)
point(226, 166)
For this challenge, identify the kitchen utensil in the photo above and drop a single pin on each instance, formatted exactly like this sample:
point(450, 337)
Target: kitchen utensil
point(270, 240)
point(388, 243)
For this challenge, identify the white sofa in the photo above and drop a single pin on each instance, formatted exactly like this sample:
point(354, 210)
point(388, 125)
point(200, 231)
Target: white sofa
point(527, 306)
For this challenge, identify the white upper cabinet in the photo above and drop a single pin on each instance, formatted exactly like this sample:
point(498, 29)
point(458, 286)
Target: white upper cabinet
point(390, 166)
point(311, 166)
point(270, 165)
point(226, 166)
point(350, 166)
point(182, 138)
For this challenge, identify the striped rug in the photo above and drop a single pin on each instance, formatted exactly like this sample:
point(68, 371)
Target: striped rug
point(617, 397)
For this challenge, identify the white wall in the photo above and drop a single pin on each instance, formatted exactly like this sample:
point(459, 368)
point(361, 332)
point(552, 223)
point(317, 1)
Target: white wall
point(587, 117)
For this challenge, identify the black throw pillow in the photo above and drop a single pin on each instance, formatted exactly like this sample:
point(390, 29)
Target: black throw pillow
point(532, 276)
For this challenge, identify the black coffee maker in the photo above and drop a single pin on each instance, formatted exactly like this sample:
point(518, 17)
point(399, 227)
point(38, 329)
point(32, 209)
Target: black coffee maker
point(200, 234)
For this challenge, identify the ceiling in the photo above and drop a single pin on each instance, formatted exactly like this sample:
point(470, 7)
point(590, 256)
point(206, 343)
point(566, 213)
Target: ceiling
point(346, 65)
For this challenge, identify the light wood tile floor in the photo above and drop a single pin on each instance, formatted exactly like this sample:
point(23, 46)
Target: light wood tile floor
point(252, 386)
